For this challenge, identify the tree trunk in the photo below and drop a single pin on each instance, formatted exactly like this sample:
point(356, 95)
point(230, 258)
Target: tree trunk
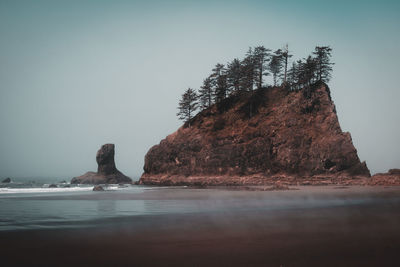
point(189, 117)
point(284, 78)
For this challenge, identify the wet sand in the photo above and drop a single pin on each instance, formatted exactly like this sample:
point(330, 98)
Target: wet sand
point(352, 233)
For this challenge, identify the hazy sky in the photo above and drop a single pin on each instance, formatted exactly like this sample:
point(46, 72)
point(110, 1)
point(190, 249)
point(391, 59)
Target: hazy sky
point(77, 74)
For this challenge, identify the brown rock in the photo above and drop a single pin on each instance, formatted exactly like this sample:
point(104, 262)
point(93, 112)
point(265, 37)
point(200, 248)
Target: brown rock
point(290, 134)
point(392, 177)
point(98, 188)
point(107, 173)
point(394, 171)
point(278, 187)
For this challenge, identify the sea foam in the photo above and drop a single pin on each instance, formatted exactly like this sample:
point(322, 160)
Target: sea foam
point(43, 190)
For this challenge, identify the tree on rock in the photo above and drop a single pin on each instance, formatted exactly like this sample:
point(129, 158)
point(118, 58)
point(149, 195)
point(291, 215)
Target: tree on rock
point(292, 76)
point(285, 58)
point(233, 73)
point(308, 75)
point(206, 93)
point(248, 71)
point(261, 57)
point(323, 65)
point(221, 90)
point(310, 70)
point(219, 82)
point(275, 65)
point(187, 105)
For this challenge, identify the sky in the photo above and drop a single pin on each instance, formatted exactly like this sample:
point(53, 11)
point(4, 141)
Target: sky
point(78, 74)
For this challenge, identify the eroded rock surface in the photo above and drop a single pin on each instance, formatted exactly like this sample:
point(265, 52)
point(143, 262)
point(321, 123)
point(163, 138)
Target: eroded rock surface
point(107, 173)
point(258, 138)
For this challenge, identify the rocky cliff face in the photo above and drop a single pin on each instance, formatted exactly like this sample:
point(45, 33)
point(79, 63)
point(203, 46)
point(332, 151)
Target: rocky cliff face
point(258, 138)
point(107, 172)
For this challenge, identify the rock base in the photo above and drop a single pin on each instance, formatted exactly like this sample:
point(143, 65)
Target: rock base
point(260, 179)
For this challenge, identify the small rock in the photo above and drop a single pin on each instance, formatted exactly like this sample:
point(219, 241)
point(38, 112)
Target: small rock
point(98, 188)
point(279, 186)
point(107, 172)
point(7, 180)
point(394, 171)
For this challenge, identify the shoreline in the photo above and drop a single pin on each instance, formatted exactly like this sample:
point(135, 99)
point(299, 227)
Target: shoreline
point(263, 180)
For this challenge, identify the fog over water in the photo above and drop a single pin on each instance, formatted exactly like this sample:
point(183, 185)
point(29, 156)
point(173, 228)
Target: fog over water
point(77, 74)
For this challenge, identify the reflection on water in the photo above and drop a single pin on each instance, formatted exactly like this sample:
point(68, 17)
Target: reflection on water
point(66, 209)
point(23, 214)
point(106, 207)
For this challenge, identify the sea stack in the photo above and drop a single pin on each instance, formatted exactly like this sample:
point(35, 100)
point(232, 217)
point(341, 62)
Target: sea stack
point(7, 180)
point(107, 173)
point(262, 137)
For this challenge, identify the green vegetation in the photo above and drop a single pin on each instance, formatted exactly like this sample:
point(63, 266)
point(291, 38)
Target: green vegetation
point(188, 105)
point(243, 75)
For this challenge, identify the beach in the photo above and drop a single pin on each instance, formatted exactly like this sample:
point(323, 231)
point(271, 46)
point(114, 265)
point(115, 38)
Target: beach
point(306, 226)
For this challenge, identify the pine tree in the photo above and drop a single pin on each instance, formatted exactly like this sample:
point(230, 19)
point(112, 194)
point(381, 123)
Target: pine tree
point(221, 88)
point(310, 69)
point(285, 57)
point(323, 65)
point(261, 57)
point(308, 74)
point(247, 71)
point(233, 73)
point(206, 93)
point(187, 105)
point(275, 65)
point(292, 76)
point(219, 82)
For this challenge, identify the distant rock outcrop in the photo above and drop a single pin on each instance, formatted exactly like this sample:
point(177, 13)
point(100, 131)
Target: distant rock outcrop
point(106, 173)
point(392, 177)
point(262, 137)
point(7, 180)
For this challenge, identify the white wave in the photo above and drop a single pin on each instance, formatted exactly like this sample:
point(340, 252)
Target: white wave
point(43, 190)
point(113, 187)
point(163, 187)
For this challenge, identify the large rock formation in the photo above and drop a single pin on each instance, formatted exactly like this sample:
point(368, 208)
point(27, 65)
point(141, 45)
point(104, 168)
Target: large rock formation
point(106, 173)
point(259, 138)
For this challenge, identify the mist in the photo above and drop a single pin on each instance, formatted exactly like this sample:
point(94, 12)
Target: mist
point(78, 74)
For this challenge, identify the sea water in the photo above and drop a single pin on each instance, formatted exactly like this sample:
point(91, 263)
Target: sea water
point(33, 204)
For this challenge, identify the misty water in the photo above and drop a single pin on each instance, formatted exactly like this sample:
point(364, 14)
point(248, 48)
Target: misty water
point(26, 204)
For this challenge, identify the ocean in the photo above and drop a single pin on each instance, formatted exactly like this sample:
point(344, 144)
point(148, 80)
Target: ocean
point(27, 204)
point(41, 203)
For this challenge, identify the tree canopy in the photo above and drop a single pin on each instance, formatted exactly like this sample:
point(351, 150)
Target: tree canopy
point(244, 75)
point(206, 93)
point(323, 65)
point(188, 105)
